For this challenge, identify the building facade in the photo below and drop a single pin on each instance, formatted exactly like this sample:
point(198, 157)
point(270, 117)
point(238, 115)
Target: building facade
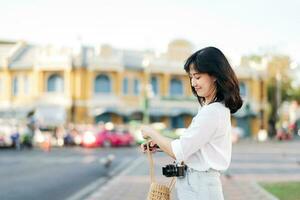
point(89, 85)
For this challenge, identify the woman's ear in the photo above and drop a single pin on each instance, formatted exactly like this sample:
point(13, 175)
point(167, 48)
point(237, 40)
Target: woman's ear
point(213, 78)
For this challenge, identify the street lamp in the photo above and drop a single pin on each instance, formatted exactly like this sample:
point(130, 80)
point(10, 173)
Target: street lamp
point(147, 92)
point(262, 133)
point(278, 94)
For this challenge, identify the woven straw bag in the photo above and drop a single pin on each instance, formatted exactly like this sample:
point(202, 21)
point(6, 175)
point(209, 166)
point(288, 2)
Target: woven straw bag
point(158, 191)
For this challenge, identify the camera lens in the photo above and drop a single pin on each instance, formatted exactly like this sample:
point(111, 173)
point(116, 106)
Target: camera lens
point(169, 170)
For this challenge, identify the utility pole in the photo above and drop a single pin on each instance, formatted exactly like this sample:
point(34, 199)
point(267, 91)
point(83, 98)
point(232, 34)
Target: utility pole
point(278, 95)
point(147, 92)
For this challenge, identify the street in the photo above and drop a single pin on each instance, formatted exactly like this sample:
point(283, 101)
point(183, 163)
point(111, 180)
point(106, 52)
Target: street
point(252, 163)
point(268, 161)
point(65, 173)
point(35, 174)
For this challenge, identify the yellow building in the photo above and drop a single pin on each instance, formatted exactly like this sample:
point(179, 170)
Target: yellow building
point(88, 85)
point(252, 117)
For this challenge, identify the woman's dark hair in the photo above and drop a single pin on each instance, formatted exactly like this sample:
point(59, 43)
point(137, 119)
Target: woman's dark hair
point(212, 61)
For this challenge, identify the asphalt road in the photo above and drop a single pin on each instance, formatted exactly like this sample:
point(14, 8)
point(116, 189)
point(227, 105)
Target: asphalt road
point(64, 173)
point(35, 175)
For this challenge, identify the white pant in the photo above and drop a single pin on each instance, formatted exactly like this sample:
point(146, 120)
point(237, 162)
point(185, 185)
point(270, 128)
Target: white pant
point(198, 185)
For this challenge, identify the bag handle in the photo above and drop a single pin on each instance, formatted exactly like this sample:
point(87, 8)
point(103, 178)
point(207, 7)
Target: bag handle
point(150, 159)
point(172, 183)
point(152, 177)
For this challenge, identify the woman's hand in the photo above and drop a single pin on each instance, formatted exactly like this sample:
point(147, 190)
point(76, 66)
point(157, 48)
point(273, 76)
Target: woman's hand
point(163, 142)
point(152, 146)
point(148, 132)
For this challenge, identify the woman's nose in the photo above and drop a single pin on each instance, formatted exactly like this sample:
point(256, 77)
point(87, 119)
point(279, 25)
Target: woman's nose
point(193, 83)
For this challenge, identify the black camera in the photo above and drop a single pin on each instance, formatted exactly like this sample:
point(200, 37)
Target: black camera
point(175, 169)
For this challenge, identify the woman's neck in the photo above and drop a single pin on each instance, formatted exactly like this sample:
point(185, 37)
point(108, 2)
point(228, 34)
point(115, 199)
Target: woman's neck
point(210, 98)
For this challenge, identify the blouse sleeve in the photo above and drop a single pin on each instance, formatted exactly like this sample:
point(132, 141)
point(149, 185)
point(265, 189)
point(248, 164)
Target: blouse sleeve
point(196, 136)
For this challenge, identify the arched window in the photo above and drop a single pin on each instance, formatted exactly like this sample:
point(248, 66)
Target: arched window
point(176, 87)
point(55, 83)
point(136, 87)
point(177, 122)
point(26, 85)
point(102, 84)
point(243, 90)
point(125, 86)
point(15, 86)
point(1, 86)
point(105, 117)
point(154, 85)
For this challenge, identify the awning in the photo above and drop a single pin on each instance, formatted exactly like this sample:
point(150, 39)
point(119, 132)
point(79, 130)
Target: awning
point(245, 111)
point(155, 112)
point(183, 111)
point(172, 112)
point(50, 115)
point(15, 113)
point(115, 110)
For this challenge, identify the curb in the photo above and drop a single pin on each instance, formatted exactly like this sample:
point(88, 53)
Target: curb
point(263, 191)
point(98, 193)
point(92, 187)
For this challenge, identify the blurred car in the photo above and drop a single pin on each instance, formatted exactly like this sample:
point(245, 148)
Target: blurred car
point(160, 127)
point(5, 136)
point(89, 139)
point(139, 137)
point(115, 138)
point(283, 134)
point(135, 129)
point(170, 133)
point(25, 136)
point(107, 138)
point(42, 137)
point(72, 137)
point(236, 134)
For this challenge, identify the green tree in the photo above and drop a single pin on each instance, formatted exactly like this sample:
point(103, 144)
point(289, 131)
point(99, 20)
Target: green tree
point(279, 85)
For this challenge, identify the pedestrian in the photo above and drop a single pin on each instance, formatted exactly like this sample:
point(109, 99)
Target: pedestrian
point(205, 146)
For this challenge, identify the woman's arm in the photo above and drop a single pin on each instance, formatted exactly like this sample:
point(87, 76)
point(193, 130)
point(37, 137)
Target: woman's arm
point(163, 142)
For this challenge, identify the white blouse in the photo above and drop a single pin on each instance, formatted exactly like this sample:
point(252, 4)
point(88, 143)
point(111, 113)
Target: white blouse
point(206, 143)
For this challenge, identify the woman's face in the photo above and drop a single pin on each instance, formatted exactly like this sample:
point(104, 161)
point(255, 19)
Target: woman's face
point(203, 83)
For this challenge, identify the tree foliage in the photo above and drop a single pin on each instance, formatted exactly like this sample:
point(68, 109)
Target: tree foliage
point(278, 80)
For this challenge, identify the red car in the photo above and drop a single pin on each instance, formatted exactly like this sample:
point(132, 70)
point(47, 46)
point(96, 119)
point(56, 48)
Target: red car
point(115, 138)
point(107, 138)
point(283, 134)
point(89, 139)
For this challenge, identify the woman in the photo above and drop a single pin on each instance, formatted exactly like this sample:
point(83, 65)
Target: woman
point(205, 146)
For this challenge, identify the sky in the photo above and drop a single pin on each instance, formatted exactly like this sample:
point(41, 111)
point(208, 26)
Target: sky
point(236, 27)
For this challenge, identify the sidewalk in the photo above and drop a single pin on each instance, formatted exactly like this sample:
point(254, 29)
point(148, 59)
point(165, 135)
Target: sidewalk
point(133, 184)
